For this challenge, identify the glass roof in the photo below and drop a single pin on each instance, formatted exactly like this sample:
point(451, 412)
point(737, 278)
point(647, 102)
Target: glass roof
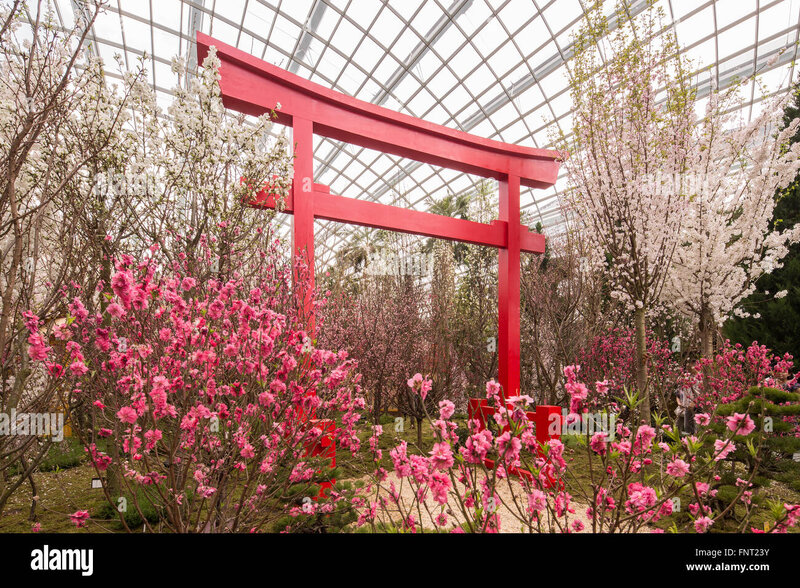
point(494, 68)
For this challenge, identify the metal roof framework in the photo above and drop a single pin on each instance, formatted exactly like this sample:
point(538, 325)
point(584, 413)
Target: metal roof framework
point(494, 68)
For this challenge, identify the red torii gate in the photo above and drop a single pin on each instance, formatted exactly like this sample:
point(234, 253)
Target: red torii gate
point(252, 86)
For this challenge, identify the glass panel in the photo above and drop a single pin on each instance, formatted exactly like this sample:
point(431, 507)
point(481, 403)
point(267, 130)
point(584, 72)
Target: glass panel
point(298, 10)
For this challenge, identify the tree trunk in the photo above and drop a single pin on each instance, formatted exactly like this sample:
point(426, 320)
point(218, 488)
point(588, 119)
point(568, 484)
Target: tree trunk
point(376, 406)
point(419, 433)
point(34, 492)
point(706, 335)
point(641, 365)
point(706, 344)
point(6, 308)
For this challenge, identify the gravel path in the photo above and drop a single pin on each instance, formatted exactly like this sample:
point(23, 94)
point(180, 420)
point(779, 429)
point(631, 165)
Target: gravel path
point(509, 523)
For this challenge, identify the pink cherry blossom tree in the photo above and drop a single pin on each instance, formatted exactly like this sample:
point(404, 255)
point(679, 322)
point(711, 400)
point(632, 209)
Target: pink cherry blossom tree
point(216, 402)
point(381, 324)
point(610, 357)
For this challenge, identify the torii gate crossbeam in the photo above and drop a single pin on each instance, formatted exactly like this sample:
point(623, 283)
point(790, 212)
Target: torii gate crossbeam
point(252, 86)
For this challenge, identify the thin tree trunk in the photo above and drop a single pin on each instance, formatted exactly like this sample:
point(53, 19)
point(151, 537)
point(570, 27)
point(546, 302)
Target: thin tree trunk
point(114, 470)
point(34, 492)
point(641, 365)
point(706, 344)
point(376, 405)
point(6, 310)
point(706, 335)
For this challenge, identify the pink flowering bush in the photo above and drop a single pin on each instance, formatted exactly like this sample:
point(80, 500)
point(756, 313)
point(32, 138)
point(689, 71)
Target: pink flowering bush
point(205, 397)
point(639, 478)
point(733, 370)
point(773, 411)
point(610, 358)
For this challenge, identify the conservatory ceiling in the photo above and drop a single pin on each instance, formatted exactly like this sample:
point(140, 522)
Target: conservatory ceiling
point(493, 68)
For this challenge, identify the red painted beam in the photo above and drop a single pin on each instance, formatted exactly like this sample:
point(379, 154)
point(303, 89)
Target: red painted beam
point(530, 242)
point(382, 216)
point(253, 86)
point(391, 218)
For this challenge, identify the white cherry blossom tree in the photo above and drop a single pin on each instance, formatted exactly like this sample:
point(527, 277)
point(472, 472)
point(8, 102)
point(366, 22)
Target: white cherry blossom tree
point(633, 118)
point(726, 241)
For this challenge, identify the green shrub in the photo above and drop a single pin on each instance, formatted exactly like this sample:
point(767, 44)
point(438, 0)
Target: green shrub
point(131, 515)
point(64, 456)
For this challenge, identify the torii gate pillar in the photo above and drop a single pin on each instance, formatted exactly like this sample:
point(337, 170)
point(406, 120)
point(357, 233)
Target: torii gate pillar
point(508, 290)
point(302, 204)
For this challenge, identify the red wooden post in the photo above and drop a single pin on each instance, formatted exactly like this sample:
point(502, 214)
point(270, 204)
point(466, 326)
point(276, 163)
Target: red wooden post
point(324, 447)
point(508, 286)
point(548, 422)
point(303, 205)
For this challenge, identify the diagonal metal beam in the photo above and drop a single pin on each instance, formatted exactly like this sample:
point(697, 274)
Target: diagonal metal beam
point(196, 11)
point(541, 71)
point(784, 56)
point(304, 42)
point(439, 28)
point(518, 88)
